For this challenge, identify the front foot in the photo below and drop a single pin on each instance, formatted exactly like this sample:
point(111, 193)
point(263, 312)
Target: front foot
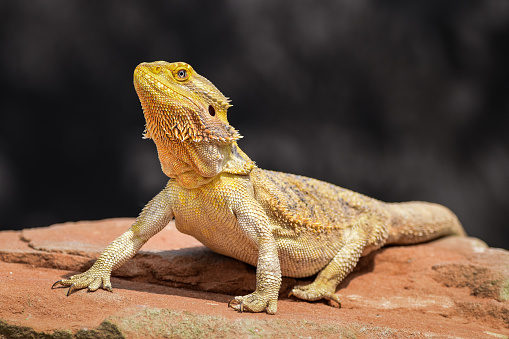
point(314, 292)
point(254, 302)
point(91, 279)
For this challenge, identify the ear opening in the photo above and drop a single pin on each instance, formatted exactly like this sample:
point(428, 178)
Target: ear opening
point(212, 111)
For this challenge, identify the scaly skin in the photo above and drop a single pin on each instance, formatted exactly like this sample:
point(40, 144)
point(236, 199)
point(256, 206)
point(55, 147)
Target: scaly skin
point(283, 224)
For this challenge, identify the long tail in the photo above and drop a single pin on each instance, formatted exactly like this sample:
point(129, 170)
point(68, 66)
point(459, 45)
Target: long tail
point(415, 222)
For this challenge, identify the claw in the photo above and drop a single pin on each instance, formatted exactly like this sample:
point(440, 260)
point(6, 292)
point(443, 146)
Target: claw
point(237, 307)
point(72, 289)
point(230, 302)
point(335, 298)
point(57, 283)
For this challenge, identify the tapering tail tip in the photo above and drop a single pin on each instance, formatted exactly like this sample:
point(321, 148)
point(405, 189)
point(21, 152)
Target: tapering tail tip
point(415, 222)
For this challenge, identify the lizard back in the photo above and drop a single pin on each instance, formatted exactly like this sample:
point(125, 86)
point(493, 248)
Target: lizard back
point(310, 205)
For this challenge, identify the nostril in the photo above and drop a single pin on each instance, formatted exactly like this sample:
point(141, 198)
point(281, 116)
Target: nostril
point(156, 69)
point(212, 111)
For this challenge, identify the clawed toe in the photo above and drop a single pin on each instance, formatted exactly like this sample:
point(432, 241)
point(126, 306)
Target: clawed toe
point(84, 280)
point(254, 302)
point(72, 289)
point(311, 293)
point(58, 284)
point(238, 307)
point(63, 284)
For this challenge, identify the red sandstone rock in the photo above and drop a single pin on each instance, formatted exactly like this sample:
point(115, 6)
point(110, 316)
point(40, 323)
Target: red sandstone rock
point(175, 287)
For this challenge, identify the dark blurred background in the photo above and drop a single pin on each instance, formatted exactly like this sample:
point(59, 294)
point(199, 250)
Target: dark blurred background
point(399, 100)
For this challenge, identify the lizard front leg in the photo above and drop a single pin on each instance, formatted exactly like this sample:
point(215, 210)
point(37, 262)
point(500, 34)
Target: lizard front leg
point(153, 218)
point(254, 222)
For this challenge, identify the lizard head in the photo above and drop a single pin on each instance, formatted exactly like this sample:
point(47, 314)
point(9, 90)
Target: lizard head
point(185, 115)
point(179, 104)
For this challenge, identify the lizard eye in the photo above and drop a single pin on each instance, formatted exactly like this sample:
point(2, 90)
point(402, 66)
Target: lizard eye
point(182, 74)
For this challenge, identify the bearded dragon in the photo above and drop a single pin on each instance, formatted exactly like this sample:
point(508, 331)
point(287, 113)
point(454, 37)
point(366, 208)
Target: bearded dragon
point(283, 224)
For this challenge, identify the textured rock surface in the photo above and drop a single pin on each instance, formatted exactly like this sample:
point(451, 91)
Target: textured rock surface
point(176, 287)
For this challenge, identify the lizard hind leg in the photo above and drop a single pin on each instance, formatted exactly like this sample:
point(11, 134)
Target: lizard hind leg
point(324, 286)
